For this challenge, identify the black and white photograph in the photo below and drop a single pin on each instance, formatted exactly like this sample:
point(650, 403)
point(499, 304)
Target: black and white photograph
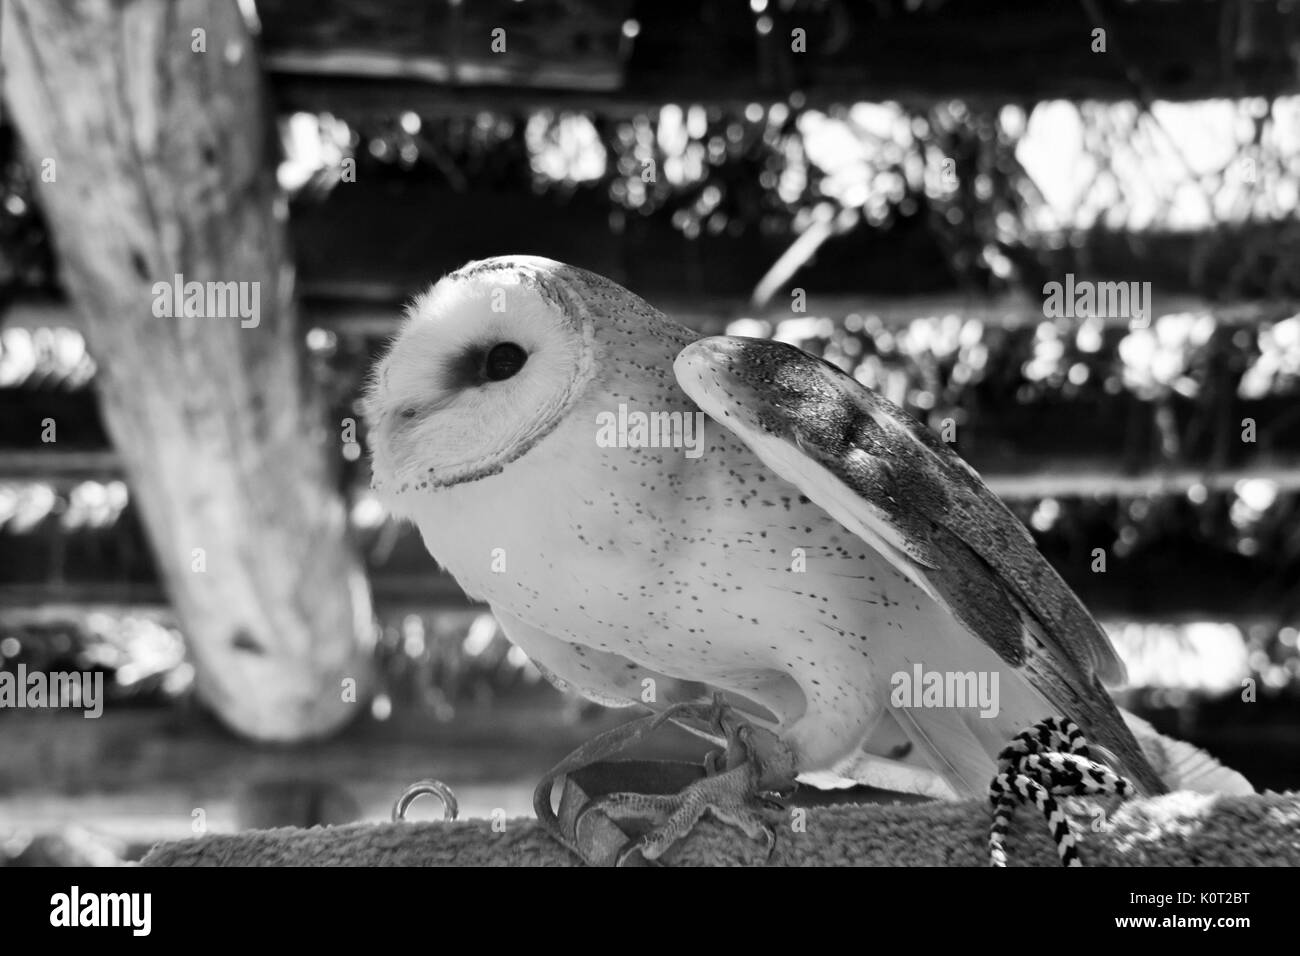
point(619, 433)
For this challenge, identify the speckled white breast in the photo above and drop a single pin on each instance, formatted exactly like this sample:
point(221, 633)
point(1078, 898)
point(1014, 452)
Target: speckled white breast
point(686, 567)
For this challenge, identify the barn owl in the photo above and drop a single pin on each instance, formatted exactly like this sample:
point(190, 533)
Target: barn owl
point(656, 517)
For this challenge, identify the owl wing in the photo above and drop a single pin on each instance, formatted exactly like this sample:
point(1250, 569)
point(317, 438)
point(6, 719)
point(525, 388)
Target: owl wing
point(888, 480)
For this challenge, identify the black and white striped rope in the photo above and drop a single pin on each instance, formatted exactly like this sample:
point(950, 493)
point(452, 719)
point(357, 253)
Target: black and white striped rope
point(1047, 760)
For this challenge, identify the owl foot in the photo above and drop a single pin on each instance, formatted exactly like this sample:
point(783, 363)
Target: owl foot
point(738, 790)
point(1048, 760)
point(729, 796)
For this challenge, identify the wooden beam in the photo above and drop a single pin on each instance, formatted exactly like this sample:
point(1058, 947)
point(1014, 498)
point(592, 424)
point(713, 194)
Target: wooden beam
point(150, 116)
point(39, 605)
point(984, 52)
point(31, 604)
point(378, 315)
point(1065, 481)
point(1052, 478)
point(55, 463)
point(374, 309)
point(542, 44)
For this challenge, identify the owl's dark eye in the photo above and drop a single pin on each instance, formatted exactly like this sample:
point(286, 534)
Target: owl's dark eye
point(503, 361)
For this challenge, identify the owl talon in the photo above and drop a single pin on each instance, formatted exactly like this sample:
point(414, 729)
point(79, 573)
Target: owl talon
point(632, 849)
point(715, 762)
point(738, 790)
point(729, 796)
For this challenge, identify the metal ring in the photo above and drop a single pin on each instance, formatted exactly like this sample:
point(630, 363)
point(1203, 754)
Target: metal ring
point(450, 808)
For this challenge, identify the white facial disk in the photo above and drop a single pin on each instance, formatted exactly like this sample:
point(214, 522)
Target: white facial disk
point(488, 362)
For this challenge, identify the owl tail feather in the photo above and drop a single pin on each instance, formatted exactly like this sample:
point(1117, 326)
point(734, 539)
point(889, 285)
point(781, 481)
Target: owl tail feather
point(1183, 766)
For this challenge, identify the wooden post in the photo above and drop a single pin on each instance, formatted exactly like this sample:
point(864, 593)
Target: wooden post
point(146, 125)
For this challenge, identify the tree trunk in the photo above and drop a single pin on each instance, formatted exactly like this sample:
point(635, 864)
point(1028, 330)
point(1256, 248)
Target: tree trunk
point(153, 150)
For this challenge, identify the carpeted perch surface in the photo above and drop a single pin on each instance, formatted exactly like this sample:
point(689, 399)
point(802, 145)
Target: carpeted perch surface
point(1181, 829)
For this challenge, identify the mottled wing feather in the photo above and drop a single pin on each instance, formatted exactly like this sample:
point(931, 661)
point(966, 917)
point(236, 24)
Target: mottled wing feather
point(951, 493)
point(888, 480)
